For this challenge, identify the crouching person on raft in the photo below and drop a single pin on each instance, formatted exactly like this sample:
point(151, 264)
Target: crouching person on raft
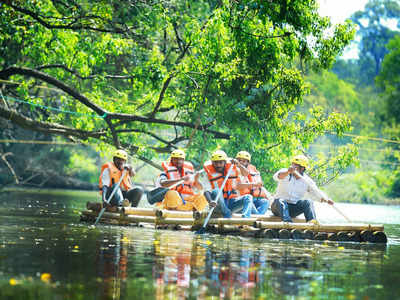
point(293, 183)
point(230, 200)
point(180, 197)
point(111, 172)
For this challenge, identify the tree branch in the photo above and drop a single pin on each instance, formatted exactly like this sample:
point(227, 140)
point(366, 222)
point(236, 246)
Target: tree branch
point(4, 158)
point(72, 25)
point(161, 97)
point(6, 73)
point(74, 72)
point(46, 127)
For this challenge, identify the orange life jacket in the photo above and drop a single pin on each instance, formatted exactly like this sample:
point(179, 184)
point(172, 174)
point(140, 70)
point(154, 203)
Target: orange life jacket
point(173, 173)
point(253, 177)
point(115, 175)
point(216, 179)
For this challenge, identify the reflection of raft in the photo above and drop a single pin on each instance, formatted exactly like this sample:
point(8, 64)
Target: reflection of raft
point(257, 226)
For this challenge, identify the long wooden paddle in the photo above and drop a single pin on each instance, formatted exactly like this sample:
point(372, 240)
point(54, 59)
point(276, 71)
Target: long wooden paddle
point(112, 194)
point(203, 228)
point(162, 189)
point(320, 194)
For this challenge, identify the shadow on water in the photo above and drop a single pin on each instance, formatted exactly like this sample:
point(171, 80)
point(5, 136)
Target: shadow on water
point(45, 253)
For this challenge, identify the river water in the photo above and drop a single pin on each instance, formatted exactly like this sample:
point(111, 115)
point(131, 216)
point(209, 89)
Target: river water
point(46, 253)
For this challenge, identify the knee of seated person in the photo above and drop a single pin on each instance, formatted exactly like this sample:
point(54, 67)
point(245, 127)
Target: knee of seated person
point(248, 198)
point(137, 191)
point(307, 202)
point(172, 199)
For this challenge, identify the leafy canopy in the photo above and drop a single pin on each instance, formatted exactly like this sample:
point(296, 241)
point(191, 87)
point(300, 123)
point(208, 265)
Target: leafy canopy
point(150, 76)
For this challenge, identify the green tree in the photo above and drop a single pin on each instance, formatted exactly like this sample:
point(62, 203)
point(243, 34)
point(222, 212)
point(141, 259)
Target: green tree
point(374, 33)
point(389, 83)
point(389, 80)
point(152, 76)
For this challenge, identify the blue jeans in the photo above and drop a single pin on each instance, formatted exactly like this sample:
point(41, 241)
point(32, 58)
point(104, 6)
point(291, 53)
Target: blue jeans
point(229, 206)
point(260, 206)
point(287, 211)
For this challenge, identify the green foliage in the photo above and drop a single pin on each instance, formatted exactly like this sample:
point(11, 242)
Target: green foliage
point(363, 187)
point(228, 68)
point(389, 80)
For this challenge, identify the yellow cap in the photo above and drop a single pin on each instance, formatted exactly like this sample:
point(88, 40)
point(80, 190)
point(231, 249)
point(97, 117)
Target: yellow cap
point(300, 160)
point(244, 155)
point(178, 154)
point(121, 154)
point(219, 155)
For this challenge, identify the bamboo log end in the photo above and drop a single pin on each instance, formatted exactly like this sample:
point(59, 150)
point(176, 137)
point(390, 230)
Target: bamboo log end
point(284, 234)
point(366, 236)
point(332, 236)
point(308, 234)
point(342, 236)
point(321, 236)
point(296, 234)
point(95, 206)
point(354, 236)
point(379, 237)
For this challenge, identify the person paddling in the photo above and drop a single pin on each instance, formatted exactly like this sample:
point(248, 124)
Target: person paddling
point(230, 200)
point(111, 172)
point(182, 196)
point(289, 197)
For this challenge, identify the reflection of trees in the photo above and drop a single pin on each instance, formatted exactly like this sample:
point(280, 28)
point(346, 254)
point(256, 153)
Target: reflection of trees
point(285, 266)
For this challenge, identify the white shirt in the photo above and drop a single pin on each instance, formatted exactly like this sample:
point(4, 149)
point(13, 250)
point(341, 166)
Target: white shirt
point(290, 188)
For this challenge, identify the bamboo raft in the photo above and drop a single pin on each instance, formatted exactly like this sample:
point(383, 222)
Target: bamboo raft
point(257, 226)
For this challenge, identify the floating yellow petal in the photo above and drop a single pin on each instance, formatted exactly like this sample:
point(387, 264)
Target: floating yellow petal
point(45, 277)
point(340, 248)
point(76, 247)
point(125, 240)
point(13, 281)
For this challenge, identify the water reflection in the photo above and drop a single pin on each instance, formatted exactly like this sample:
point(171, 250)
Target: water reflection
point(186, 265)
point(110, 262)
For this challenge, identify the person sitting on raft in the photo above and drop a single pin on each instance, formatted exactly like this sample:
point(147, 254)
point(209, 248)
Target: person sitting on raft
point(181, 197)
point(111, 172)
point(289, 202)
point(253, 184)
point(230, 200)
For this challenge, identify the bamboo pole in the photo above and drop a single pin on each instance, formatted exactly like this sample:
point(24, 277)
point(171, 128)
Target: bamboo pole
point(139, 211)
point(139, 219)
point(107, 215)
point(270, 218)
point(164, 213)
point(320, 227)
point(233, 221)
